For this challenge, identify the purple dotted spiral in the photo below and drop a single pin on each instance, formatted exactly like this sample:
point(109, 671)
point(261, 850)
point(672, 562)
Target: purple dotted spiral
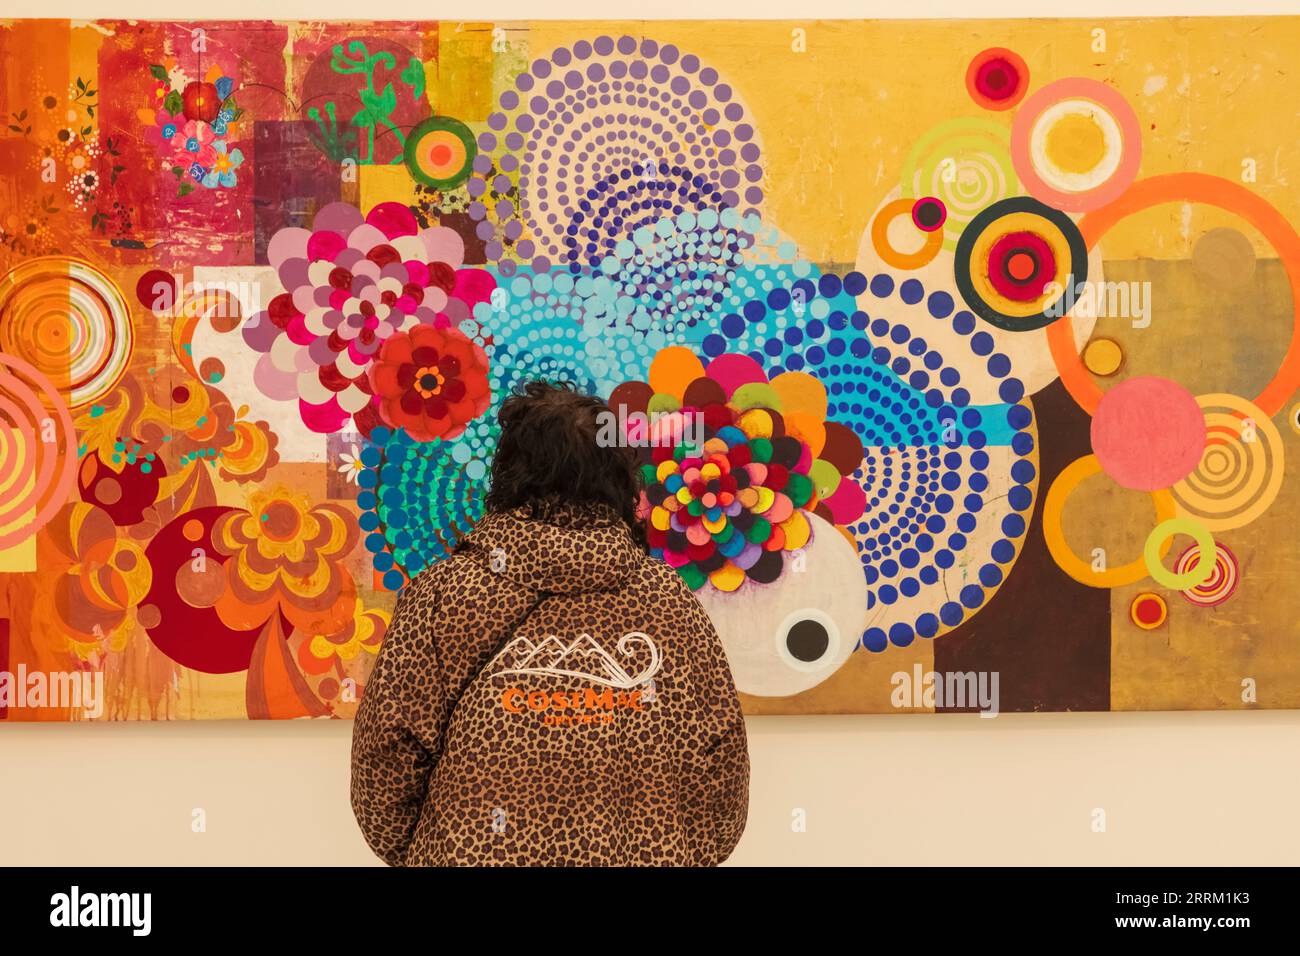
point(582, 116)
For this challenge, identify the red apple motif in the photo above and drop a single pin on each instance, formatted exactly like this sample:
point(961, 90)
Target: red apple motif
point(201, 102)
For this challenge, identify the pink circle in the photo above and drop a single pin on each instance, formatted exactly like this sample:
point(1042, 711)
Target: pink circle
point(1119, 109)
point(732, 370)
point(1148, 433)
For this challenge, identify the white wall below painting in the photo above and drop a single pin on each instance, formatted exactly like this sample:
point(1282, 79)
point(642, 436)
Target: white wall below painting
point(1177, 789)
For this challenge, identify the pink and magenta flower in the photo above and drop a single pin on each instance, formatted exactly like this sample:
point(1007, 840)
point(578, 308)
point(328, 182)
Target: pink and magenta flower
point(194, 143)
point(352, 283)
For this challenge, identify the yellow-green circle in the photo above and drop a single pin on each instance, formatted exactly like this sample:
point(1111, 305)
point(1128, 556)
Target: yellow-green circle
point(755, 395)
point(826, 477)
point(662, 403)
point(1199, 572)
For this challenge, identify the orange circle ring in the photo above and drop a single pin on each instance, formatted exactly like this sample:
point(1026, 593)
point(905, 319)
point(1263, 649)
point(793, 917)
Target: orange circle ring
point(891, 256)
point(1187, 187)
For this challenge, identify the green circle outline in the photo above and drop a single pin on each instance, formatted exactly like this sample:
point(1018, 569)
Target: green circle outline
point(1194, 576)
point(434, 124)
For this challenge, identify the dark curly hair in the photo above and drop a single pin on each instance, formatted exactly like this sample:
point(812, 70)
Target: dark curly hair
point(548, 456)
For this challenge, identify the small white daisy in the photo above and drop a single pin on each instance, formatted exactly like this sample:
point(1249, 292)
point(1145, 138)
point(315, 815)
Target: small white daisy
point(350, 466)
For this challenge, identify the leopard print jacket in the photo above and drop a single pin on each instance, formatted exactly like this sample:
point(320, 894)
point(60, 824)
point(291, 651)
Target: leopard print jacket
point(549, 695)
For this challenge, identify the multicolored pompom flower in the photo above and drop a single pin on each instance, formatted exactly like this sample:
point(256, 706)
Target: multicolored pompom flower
point(733, 464)
point(727, 512)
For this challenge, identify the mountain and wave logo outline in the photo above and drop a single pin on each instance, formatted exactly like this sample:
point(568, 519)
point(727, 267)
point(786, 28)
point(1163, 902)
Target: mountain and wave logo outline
point(554, 658)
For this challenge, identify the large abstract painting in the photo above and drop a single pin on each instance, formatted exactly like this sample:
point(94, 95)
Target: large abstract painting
point(961, 356)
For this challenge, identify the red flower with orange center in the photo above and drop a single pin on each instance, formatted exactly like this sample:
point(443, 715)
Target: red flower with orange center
point(201, 102)
point(431, 382)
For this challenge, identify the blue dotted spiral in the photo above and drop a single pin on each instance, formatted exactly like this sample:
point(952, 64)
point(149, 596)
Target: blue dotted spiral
point(912, 408)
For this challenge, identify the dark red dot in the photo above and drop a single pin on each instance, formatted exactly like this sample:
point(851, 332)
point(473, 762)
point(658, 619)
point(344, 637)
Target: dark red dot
point(997, 79)
point(156, 291)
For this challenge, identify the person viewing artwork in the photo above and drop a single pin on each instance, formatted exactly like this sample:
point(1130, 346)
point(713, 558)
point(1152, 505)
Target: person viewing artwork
point(550, 694)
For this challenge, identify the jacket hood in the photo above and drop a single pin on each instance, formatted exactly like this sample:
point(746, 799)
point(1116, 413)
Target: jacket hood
point(564, 549)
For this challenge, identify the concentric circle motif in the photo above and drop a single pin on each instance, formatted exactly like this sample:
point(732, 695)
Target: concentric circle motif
point(1076, 144)
point(440, 152)
point(966, 164)
point(1223, 579)
point(1018, 263)
point(997, 79)
point(603, 137)
point(664, 285)
point(1293, 416)
point(418, 500)
point(1240, 471)
point(934, 546)
point(38, 451)
point(932, 240)
point(1197, 572)
point(71, 322)
point(1148, 611)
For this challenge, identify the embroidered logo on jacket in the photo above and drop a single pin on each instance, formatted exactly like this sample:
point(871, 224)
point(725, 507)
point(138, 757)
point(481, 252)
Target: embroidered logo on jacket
point(562, 708)
point(582, 658)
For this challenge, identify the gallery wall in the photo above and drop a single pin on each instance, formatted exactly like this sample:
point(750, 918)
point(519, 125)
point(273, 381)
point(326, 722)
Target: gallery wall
point(1176, 788)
